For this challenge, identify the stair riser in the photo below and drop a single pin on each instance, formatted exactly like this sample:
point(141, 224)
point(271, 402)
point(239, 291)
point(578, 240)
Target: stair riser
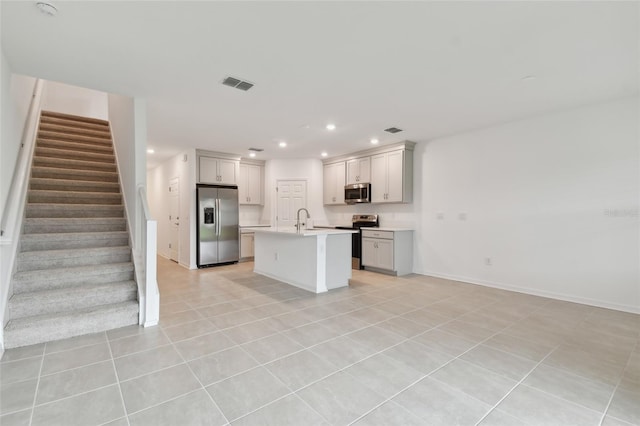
point(35, 211)
point(57, 330)
point(73, 130)
point(74, 244)
point(75, 155)
point(74, 138)
point(44, 263)
point(59, 173)
point(55, 228)
point(23, 286)
point(75, 198)
point(27, 308)
point(75, 186)
point(74, 146)
point(73, 164)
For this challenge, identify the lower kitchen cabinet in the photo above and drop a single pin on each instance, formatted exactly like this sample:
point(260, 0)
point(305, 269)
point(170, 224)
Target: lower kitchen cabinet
point(246, 246)
point(388, 251)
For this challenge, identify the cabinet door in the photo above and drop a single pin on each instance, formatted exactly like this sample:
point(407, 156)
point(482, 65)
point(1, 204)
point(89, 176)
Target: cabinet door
point(254, 179)
point(379, 178)
point(395, 174)
point(364, 169)
point(352, 171)
point(369, 255)
point(208, 170)
point(246, 245)
point(329, 184)
point(340, 178)
point(243, 184)
point(228, 171)
point(384, 251)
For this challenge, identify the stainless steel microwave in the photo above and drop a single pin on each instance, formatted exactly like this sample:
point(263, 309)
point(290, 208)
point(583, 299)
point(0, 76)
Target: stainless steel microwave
point(357, 193)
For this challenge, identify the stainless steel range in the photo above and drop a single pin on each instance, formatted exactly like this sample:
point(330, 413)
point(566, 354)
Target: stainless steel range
point(359, 221)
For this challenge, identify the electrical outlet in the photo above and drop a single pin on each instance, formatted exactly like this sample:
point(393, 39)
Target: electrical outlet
point(440, 216)
point(488, 261)
point(462, 216)
point(276, 256)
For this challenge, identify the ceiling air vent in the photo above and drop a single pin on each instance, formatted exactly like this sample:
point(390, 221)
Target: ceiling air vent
point(393, 130)
point(237, 83)
point(256, 149)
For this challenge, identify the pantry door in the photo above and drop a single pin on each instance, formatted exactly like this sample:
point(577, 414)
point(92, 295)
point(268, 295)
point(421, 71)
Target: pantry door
point(292, 195)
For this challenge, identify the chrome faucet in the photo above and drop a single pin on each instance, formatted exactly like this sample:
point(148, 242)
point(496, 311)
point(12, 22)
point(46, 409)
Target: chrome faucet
point(298, 227)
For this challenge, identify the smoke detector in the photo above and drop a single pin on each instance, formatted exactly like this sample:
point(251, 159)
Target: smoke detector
point(47, 8)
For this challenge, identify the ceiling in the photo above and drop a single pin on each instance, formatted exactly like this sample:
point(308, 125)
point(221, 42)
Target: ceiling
point(430, 68)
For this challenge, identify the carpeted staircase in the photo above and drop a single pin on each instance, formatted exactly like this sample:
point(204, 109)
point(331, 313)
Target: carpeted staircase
point(74, 273)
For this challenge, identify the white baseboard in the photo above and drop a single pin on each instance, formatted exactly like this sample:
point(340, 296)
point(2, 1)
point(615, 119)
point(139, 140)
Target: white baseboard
point(536, 292)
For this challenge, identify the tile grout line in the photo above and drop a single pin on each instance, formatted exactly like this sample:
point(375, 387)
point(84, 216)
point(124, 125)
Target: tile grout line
point(115, 371)
point(35, 394)
point(613, 394)
point(196, 377)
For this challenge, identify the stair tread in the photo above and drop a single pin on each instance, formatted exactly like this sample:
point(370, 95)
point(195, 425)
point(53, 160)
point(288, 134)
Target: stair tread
point(72, 117)
point(54, 192)
point(74, 183)
point(74, 271)
point(75, 145)
point(85, 288)
point(70, 128)
point(47, 319)
point(72, 161)
point(68, 122)
point(62, 253)
point(46, 236)
point(75, 220)
point(65, 153)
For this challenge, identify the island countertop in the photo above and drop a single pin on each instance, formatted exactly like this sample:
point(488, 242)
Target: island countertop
point(303, 233)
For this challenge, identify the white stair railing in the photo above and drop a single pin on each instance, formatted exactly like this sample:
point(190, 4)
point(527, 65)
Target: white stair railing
point(148, 291)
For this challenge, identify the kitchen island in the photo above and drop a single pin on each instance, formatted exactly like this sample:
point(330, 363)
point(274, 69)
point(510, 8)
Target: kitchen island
point(316, 260)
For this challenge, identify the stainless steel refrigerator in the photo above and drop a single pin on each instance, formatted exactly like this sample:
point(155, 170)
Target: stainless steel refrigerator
point(218, 234)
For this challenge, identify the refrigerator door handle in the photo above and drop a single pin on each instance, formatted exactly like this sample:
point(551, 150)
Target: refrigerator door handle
point(218, 218)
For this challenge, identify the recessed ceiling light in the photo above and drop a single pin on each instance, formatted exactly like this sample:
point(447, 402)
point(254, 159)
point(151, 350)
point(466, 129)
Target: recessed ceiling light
point(331, 126)
point(47, 8)
point(374, 141)
point(150, 151)
point(252, 154)
point(282, 144)
point(324, 154)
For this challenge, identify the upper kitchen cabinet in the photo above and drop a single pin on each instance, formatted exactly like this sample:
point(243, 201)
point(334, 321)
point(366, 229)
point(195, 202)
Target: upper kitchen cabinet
point(334, 175)
point(392, 177)
point(250, 187)
point(359, 170)
point(216, 168)
point(389, 169)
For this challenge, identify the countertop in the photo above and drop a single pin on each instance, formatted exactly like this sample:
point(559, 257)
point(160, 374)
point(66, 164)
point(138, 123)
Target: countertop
point(304, 232)
point(389, 228)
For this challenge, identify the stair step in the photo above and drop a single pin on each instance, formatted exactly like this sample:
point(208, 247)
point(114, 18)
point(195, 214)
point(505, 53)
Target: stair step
point(59, 211)
point(45, 328)
point(73, 224)
point(75, 146)
point(64, 163)
point(43, 134)
point(76, 197)
point(73, 185)
point(75, 130)
point(72, 298)
point(58, 173)
point(65, 258)
point(76, 118)
point(73, 240)
point(69, 122)
point(51, 279)
point(75, 155)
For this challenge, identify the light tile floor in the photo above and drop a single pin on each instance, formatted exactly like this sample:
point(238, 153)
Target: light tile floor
point(237, 348)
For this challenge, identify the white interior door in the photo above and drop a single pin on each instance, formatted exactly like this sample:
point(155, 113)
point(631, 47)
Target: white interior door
point(174, 219)
point(292, 195)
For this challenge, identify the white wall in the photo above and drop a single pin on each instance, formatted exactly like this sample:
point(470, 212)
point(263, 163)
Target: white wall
point(75, 100)
point(129, 131)
point(157, 190)
point(552, 200)
point(306, 169)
